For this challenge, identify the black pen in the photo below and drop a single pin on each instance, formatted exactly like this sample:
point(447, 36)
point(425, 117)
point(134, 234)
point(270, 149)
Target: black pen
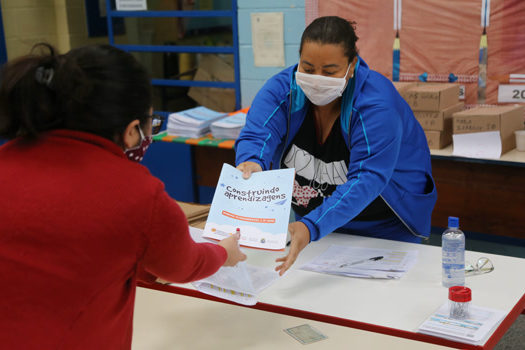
point(375, 258)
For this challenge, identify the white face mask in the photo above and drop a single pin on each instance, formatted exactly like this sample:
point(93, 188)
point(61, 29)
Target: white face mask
point(319, 89)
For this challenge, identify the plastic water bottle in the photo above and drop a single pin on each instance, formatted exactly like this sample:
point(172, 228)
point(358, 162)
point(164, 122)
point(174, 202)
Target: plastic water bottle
point(453, 254)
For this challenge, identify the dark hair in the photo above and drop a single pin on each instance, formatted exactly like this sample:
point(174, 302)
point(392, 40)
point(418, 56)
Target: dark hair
point(332, 30)
point(98, 89)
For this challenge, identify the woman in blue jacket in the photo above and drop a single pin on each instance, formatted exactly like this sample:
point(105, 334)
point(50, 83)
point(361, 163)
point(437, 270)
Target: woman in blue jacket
point(361, 158)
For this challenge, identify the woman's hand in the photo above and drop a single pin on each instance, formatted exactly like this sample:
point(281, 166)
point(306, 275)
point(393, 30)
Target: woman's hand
point(231, 244)
point(248, 168)
point(300, 236)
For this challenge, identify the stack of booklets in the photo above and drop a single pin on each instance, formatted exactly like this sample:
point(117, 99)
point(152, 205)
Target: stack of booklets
point(229, 127)
point(193, 123)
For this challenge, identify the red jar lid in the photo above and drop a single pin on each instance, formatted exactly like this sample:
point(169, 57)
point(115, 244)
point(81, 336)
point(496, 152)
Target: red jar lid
point(460, 294)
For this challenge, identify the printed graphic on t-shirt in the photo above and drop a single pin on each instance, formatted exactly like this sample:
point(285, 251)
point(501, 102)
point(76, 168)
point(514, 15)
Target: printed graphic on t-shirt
point(314, 178)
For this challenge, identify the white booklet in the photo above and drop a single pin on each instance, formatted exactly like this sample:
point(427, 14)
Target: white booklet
point(474, 330)
point(241, 283)
point(259, 207)
point(362, 262)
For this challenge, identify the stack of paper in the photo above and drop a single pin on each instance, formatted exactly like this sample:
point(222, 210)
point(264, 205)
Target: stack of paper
point(362, 262)
point(229, 127)
point(474, 330)
point(240, 283)
point(193, 123)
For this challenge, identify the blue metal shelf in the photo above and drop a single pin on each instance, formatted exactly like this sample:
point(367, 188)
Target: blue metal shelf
point(233, 50)
point(173, 82)
point(177, 48)
point(192, 13)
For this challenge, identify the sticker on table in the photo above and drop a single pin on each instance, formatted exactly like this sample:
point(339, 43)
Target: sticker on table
point(305, 334)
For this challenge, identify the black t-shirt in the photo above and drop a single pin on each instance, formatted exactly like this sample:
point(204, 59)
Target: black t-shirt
point(320, 168)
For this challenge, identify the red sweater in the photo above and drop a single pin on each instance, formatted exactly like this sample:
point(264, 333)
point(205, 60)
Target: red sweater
point(79, 223)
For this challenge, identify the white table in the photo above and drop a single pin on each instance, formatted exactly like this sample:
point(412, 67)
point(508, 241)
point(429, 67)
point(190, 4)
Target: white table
point(170, 321)
point(392, 307)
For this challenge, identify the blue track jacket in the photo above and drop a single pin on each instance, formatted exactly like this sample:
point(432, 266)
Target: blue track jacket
point(389, 155)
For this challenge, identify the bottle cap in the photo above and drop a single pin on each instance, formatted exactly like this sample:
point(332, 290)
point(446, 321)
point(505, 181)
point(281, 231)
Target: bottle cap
point(460, 294)
point(453, 222)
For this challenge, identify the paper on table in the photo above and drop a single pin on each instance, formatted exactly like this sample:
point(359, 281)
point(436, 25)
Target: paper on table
point(478, 145)
point(337, 260)
point(474, 330)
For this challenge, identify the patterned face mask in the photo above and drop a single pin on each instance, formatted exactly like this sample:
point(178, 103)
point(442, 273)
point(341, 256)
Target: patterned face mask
point(136, 154)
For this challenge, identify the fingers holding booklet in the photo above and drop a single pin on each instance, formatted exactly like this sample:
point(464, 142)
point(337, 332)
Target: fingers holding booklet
point(231, 244)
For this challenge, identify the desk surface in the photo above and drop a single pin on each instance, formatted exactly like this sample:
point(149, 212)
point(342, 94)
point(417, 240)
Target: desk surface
point(168, 321)
point(394, 307)
point(513, 157)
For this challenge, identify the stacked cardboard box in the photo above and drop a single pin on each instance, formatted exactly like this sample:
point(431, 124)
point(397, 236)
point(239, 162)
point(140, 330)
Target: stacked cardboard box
point(214, 68)
point(433, 105)
point(505, 119)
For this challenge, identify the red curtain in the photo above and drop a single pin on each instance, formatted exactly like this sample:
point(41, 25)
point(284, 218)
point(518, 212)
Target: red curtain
point(374, 27)
point(506, 44)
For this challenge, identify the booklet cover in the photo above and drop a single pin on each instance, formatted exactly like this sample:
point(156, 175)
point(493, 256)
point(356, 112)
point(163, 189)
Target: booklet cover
point(258, 206)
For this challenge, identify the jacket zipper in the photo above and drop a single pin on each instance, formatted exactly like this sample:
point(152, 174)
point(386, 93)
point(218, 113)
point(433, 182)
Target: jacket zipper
point(403, 221)
point(287, 129)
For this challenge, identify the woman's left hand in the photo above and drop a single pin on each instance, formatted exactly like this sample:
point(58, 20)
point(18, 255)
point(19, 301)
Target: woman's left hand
point(300, 236)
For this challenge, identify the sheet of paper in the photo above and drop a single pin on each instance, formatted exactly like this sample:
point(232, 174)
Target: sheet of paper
point(305, 334)
point(268, 39)
point(474, 330)
point(258, 206)
point(131, 5)
point(356, 262)
point(486, 145)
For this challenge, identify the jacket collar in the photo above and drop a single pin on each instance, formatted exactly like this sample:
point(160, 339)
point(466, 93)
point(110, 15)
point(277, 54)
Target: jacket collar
point(87, 137)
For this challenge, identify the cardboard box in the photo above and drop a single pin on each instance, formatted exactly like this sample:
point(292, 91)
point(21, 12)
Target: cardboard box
point(403, 86)
point(432, 96)
point(438, 139)
point(214, 68)
point(438, 120)
point(505, 119)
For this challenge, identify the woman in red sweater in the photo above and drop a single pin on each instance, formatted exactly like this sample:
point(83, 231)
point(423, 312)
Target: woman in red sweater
point(80, 220)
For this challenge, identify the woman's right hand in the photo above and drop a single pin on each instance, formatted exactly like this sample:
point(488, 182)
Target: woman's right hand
point(231, 244)
point(248, 168)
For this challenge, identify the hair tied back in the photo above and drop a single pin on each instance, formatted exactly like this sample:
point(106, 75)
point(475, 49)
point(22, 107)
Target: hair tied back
point(44, 76)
